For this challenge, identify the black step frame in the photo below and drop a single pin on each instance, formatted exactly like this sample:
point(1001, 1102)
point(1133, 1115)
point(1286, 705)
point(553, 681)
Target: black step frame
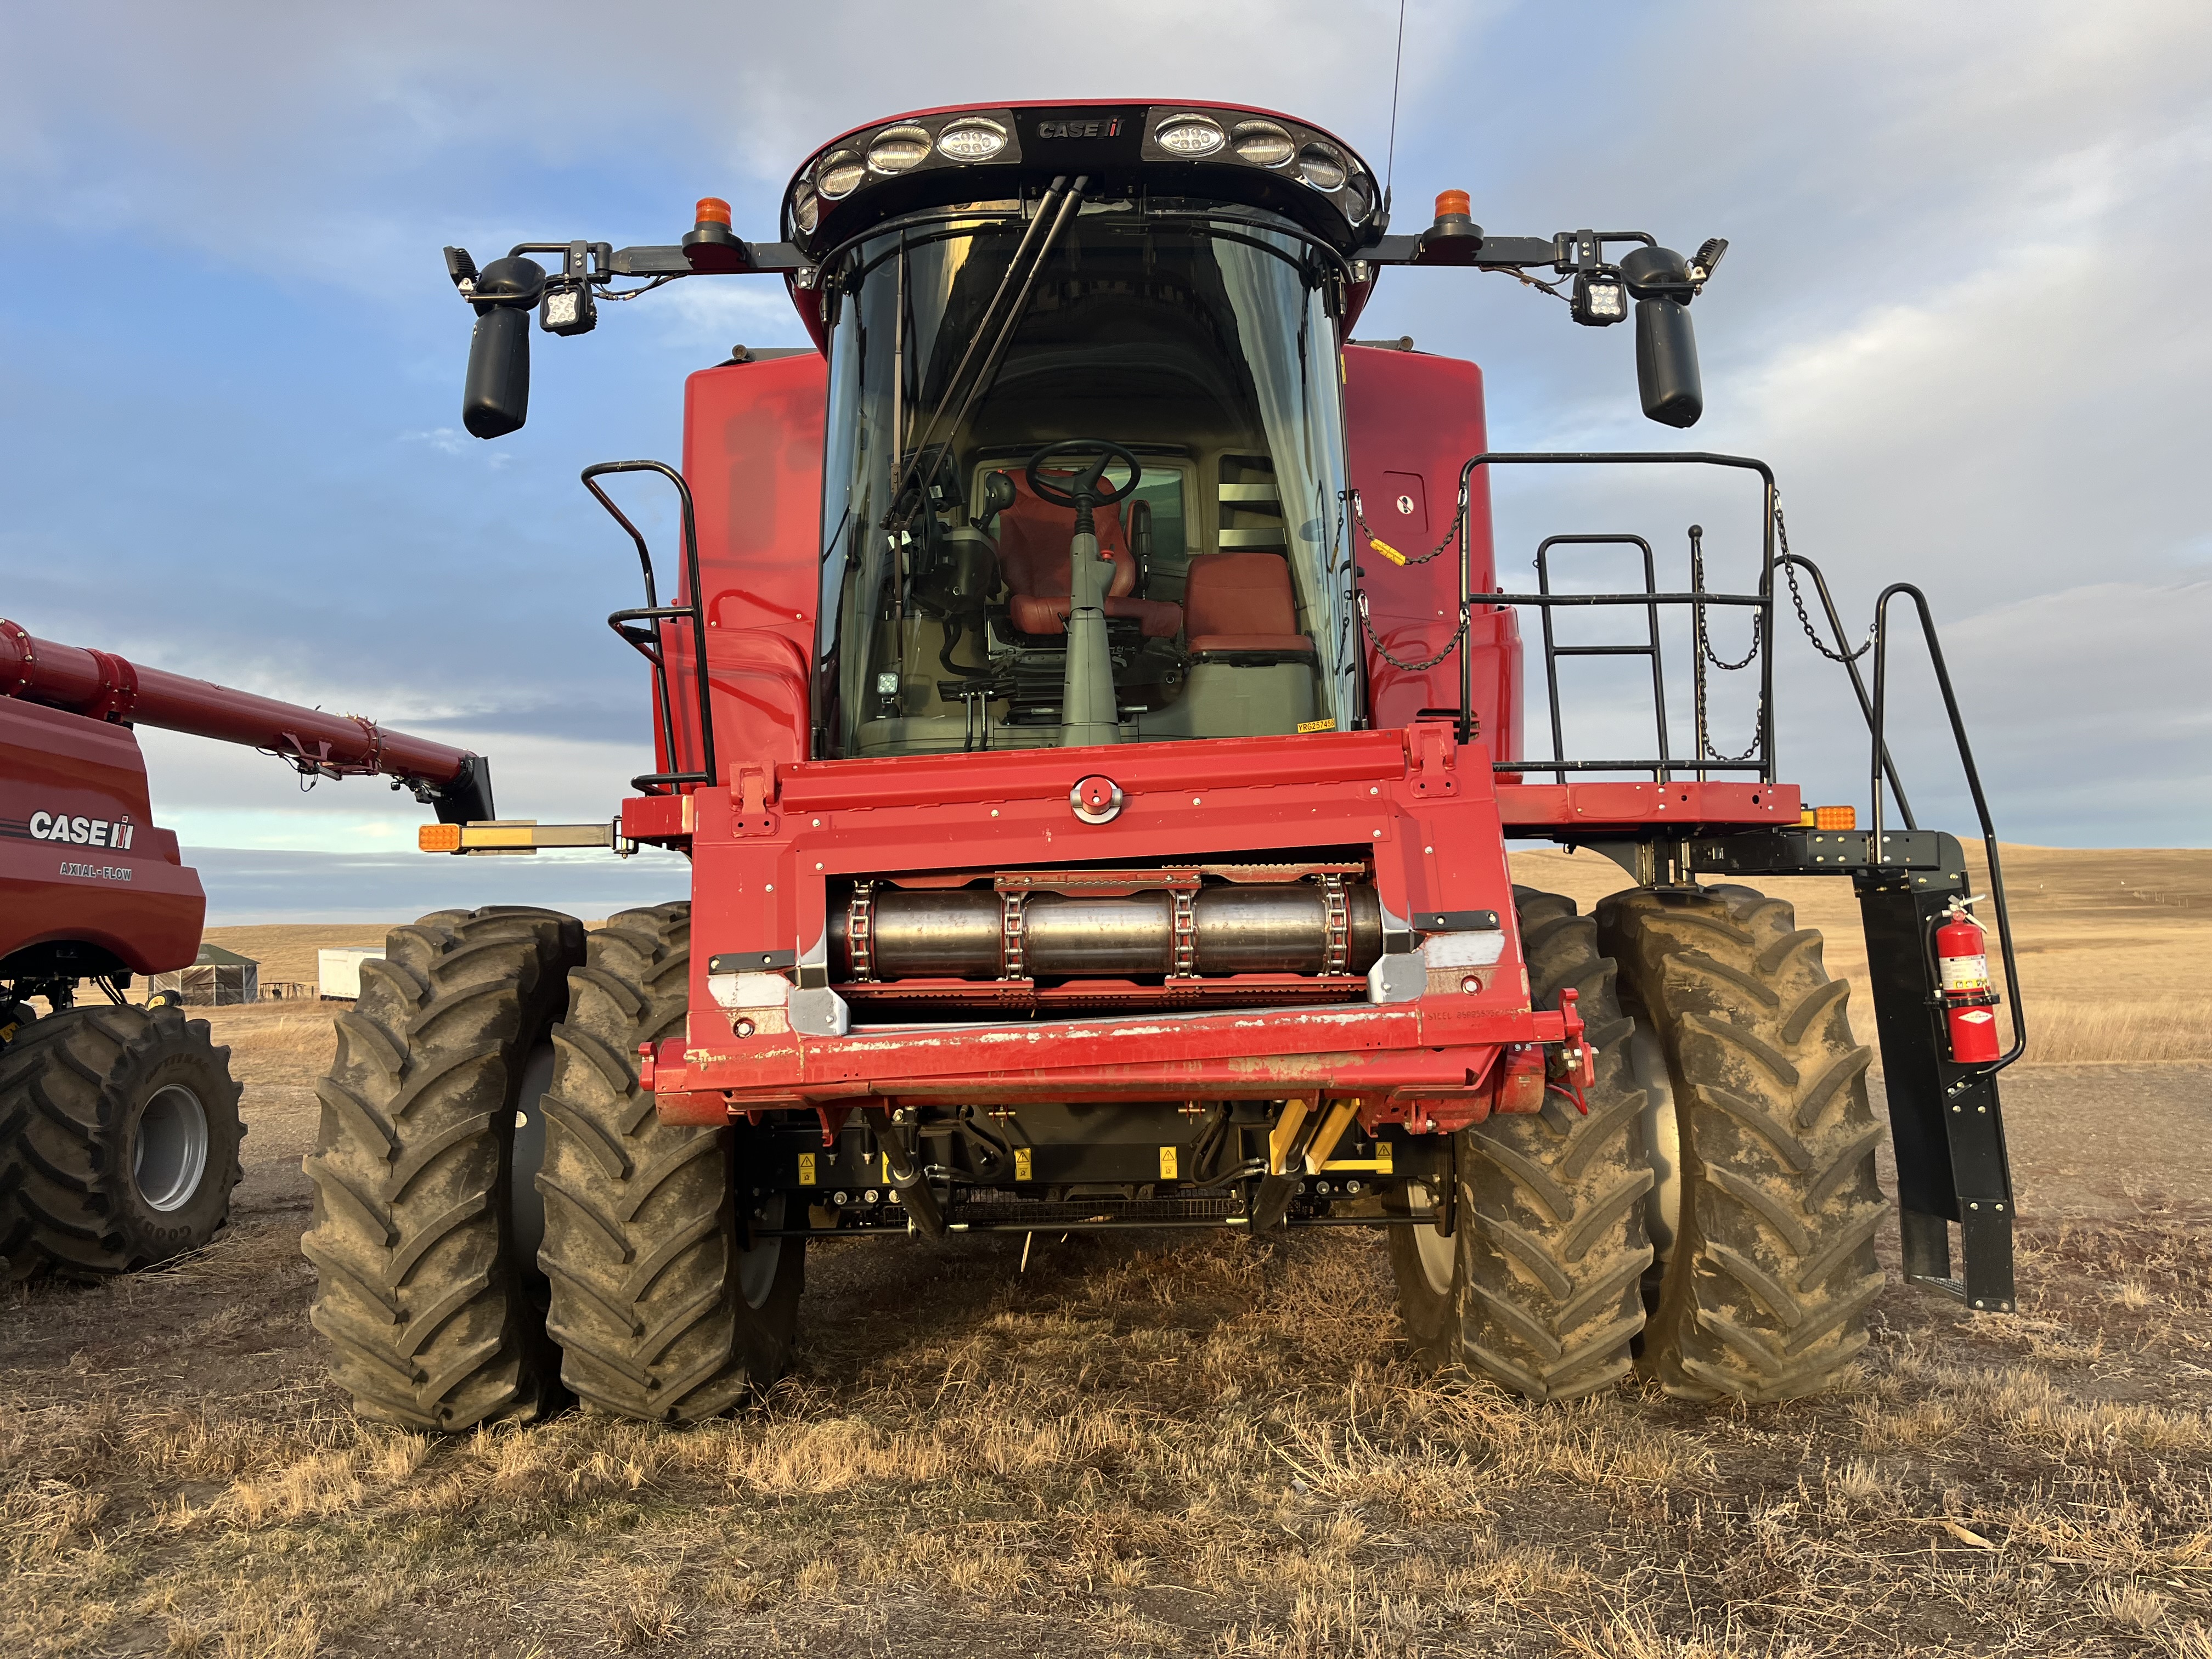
point(1947, 1124)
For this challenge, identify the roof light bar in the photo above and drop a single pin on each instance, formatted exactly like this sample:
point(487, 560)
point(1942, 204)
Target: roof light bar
point(1253, 157)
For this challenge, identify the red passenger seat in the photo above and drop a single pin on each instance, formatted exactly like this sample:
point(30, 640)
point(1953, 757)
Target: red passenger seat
point(1033, 537)
point(1241, 602)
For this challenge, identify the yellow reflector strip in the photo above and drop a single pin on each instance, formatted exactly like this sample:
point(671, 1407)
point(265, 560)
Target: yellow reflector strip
point(438, 838)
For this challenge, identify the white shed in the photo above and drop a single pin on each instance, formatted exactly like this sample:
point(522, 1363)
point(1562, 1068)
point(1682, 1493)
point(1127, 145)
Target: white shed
point(338, 973)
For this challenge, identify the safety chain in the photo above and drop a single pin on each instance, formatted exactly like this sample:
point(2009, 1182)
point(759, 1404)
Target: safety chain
point(1704, 640)
point(1383, 651)
point(1359, 514)
point(1707, 655)
point(1797, 598)
point(1707, 752)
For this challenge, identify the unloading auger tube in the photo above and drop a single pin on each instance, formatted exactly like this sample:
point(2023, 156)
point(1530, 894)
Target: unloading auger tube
point(313, 741)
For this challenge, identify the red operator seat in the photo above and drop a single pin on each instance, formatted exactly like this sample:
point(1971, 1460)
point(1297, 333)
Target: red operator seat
point(1033, 554)
point(1241, 602)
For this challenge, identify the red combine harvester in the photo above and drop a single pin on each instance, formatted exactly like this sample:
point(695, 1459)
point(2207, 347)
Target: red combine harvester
point(118, 1123)
point(1094, 823)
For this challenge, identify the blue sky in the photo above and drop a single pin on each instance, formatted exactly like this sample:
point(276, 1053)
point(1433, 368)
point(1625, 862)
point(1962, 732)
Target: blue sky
point(1962, 313)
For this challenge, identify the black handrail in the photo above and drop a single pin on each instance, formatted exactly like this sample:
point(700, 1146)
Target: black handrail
point(1845, 654)
point(1554, 650)
point(647, 641)
point(1874, 854)
point(1765, 764)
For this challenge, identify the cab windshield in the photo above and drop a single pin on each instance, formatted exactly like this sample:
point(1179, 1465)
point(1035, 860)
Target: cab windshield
point(1205, 348)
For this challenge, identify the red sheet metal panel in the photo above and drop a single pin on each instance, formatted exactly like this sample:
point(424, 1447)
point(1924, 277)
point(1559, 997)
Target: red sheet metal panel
point(80, 858)
point(1414, 421)
point(752, 454)
point(1588, 806)
point(1423, 809)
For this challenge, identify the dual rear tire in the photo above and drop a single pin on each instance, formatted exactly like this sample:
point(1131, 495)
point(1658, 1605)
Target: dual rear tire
point(1709, 1222)
point(501, 1221)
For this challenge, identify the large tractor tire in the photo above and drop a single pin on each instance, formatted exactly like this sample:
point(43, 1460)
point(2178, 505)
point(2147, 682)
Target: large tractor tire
point(1538, 1289)
point(1765, 1291)
point(118, 1142)
point(661, 1311)
point(427, 1288)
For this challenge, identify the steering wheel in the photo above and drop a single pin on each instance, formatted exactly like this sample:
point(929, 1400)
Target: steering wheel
point(1083, 491)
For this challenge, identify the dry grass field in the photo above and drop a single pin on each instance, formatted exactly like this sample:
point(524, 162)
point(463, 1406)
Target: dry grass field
point(1204, 1447)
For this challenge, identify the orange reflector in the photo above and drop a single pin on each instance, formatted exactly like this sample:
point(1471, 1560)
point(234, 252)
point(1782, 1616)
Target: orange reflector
point(713, 210)
point(438, 838)
point(1829, 817)
point(1454, 201)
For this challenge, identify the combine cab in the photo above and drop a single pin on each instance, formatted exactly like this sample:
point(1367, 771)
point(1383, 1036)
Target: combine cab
point(1098, 820)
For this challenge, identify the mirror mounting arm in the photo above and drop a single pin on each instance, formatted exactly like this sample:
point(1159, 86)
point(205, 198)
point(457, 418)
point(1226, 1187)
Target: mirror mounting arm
point(704, 257)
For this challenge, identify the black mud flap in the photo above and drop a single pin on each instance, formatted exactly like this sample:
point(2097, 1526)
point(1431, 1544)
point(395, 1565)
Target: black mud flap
point(1945, 1121)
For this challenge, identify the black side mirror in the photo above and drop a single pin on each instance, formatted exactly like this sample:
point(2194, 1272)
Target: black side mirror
point(997, 496)
point(1666, 343)
point(496, 399)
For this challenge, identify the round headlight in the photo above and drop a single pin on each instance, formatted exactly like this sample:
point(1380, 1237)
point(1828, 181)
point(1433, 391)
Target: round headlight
point(897, 148)
point(1263, 144)
point(1322, 167)
point(1188, 135)
point(972, 139)
point(1358, 199)
point(839, 175)
point(806, 210)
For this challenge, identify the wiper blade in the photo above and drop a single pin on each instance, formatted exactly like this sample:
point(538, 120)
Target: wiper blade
point(1069, 198)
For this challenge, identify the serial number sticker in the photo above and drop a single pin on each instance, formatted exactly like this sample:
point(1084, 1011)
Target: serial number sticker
point(98, 872)
point(1316, 726)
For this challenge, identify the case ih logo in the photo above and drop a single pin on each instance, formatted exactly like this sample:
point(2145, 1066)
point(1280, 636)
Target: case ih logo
point(1079, 128)
point(82, 832)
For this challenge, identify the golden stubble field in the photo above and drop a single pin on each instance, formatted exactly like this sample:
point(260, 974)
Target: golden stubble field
point(1210, 1447)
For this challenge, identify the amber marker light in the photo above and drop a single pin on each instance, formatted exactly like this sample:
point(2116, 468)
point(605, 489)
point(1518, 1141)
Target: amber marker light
point(1828, 818)
point(438, 838)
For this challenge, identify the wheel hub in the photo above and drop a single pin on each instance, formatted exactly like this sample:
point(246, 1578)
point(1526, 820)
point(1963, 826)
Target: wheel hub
point(171, 1157)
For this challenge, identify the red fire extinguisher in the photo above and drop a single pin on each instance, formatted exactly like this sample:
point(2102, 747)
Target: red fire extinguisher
point(1962, 966)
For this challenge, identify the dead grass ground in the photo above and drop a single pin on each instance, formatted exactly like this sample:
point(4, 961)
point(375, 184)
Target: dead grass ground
point(1201, 1449)
point(1204, 1447)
